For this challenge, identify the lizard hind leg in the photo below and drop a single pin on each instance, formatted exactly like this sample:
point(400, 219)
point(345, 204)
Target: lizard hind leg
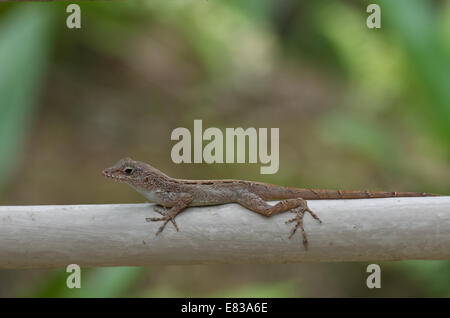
point(296, 205)
point(298, 219)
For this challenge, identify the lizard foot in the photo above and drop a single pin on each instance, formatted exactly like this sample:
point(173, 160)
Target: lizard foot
point(166, 217)
point(298, 219)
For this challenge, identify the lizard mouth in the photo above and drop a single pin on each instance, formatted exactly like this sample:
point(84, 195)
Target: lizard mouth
point(110, 175)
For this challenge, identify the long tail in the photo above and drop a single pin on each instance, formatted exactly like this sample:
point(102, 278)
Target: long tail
point(280, 193)
point(317, 194)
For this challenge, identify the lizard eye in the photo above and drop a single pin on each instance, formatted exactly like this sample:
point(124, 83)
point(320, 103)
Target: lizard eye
point(128, 170)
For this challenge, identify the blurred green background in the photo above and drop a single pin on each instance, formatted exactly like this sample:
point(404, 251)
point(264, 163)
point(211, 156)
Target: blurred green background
point(357, 109)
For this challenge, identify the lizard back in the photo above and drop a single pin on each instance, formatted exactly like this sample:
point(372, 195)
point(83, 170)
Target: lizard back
point(275, 192)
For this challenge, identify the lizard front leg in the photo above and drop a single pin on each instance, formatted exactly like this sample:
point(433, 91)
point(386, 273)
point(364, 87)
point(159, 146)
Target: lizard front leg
point(299, 206)
point(181, 202)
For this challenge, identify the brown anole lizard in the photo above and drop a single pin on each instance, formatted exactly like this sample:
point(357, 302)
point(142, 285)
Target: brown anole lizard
point(178, 194)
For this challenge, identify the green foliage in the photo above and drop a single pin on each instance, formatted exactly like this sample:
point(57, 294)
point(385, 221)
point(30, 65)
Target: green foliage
point(415, 26)
point(262, 290)
point(362, 136)
point(250, 290)
point(97, 282)
point(24, 53)
point(432, 276)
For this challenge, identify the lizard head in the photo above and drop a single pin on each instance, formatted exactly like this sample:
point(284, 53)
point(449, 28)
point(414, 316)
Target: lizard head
point(132, 172)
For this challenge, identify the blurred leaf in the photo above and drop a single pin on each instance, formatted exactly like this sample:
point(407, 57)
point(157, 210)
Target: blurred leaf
point(258, 290)
point(433, 276)
point(266, 290)
point(255, 9)
point(374, 65)
point(445, 26)
point(163, 291)
point(117, 19)
point(229, 44)
point(24, 47)
point(360, 135)
point(96, 282)
point(107, 282)
point(414, 24)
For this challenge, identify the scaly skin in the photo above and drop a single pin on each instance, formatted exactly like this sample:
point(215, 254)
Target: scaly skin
point(178, 194)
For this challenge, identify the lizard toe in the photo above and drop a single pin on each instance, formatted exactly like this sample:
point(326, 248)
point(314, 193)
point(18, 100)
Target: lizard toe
point(155, 219)
point(166, 218)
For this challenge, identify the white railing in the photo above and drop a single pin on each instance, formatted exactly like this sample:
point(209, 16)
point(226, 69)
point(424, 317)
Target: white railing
point(116, 235)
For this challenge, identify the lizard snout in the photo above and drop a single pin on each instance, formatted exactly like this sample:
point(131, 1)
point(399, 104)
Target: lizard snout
point(107, 172)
